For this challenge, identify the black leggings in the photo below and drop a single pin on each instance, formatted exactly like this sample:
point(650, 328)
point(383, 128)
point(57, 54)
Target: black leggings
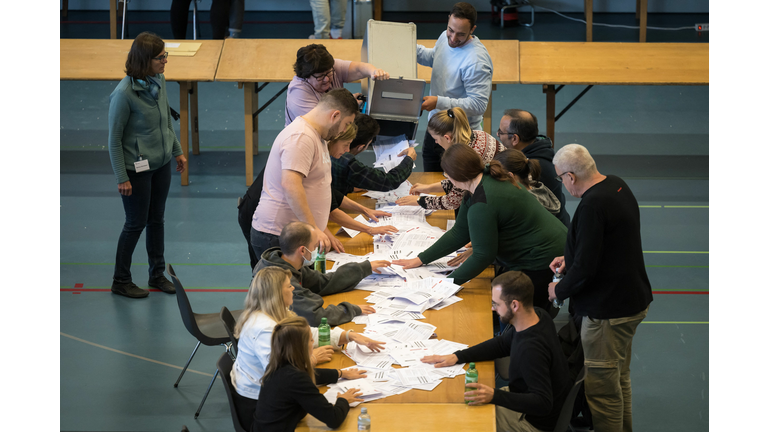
point(219, 18)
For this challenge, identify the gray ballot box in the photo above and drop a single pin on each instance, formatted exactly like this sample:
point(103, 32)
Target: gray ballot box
point(394, 103)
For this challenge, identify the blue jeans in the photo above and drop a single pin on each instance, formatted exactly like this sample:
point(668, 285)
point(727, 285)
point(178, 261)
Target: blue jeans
point(261, 241)
point(145, 207)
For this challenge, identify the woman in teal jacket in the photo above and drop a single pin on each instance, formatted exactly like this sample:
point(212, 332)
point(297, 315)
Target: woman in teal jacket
point(141, 145)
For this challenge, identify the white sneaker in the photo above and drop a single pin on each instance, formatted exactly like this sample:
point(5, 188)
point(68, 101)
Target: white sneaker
point(336, 33)
point(311, 36)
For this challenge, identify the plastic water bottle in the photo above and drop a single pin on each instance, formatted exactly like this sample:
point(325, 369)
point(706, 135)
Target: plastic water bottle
point(320, 261)
point(470, 377)
point(324, 333)
point(556, 302)
point(364, 420)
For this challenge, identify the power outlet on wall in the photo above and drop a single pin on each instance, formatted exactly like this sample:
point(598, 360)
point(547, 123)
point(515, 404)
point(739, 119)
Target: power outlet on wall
point(702, 27)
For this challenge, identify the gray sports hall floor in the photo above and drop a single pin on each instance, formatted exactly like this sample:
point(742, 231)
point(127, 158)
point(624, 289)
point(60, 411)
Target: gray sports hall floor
point(120, 357)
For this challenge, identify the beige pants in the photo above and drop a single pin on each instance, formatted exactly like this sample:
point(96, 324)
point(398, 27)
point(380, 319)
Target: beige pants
point(607, 353)
point(511, 421)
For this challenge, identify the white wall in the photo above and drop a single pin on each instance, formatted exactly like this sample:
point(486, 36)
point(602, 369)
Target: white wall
point(661, 6)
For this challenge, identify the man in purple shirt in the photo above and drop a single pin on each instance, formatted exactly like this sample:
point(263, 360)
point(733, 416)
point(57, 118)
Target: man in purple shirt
point(316, 74)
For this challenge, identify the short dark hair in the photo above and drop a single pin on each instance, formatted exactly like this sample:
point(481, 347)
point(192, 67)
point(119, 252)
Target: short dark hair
point(367, 129)
point(340, 99)
point(312, 59)
point(523, 123)
point(515, 285)
point(145, 47)
point(295, 235)
point(466, 11)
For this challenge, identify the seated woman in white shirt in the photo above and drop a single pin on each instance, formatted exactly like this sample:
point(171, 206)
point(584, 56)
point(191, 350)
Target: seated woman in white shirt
point(269, 299)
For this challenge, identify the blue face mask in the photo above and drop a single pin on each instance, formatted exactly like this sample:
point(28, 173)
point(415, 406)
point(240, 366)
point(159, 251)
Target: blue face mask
point(310, 261)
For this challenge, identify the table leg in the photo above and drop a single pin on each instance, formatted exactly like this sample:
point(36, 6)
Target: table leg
point(549, 90)
point(193, 111)
point(643, 12)
point(251, 129)
point(184, 126)
point(588, 14)
point(487, 115)
point(377, 8)
point(113, 19)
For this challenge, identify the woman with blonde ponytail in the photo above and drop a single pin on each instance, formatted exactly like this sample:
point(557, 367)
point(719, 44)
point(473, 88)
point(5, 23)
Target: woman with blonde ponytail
point(504, 222)
point(269, 301)
point(450, 127)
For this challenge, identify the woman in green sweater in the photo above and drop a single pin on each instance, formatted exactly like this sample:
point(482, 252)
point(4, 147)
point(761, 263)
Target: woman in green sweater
point(141, 145)
point(504, 222)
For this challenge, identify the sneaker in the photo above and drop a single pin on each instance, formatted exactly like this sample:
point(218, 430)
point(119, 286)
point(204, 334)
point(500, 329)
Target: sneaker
point(162, 284)
point(335, 33)
point(311, 36)
point(129, 289)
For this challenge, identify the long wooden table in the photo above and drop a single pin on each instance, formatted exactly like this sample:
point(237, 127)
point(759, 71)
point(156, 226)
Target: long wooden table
point(251, 61)
point(569, 63)
point(104, 60)
point(468, 321)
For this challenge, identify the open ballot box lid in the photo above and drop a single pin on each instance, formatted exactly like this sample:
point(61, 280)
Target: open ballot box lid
point(394, 103)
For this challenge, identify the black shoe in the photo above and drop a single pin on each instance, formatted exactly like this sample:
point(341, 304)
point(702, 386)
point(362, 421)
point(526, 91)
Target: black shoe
point(162, 284)
point(129, 289)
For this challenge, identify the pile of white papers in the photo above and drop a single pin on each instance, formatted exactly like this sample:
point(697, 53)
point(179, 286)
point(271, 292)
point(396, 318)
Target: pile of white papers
point(388, 149)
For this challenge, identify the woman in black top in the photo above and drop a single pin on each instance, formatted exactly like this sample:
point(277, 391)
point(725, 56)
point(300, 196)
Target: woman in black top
point(289, 390)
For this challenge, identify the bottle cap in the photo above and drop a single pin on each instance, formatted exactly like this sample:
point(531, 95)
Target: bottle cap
point(323, 320)
point(471, 365)
point(363, 410)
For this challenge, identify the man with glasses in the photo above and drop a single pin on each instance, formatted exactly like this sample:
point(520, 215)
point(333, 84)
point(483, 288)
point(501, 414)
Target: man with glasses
point(605, 278)
point(461, 76)
point(519, 129)
point(317, 72)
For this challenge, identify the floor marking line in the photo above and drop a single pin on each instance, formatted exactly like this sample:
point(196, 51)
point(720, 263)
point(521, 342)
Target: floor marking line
point(677, 252)
point(134, 355)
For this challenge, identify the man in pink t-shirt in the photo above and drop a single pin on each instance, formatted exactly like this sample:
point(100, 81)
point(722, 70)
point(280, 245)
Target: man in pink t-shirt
point(297, 176)
point(316, 74)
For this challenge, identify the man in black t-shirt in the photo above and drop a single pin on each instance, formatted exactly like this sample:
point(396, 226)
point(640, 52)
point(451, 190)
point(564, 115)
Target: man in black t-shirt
point(539, 380)
point(605, 278)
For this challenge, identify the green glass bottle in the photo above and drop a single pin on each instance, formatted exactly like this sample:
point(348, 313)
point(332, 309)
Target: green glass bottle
point(320, 261)
point(323, 333)
point(470, 377)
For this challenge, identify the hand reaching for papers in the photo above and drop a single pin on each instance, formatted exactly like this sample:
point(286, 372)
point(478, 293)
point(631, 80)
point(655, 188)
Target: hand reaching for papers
point(386, 229)
point(371, 344)
point(411, 200)
point(461, 257)
point(334, 242)
point(366, 310)
point(376, 265)
point(322, 354)
point(374, 215)
point(351, 395)
point(353, 373)
point(481, 396)
point(410, 152)
point(408, 263)
point(441, 360)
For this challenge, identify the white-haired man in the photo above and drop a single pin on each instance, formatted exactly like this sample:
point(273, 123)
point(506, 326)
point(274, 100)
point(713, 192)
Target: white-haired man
point(606, 281)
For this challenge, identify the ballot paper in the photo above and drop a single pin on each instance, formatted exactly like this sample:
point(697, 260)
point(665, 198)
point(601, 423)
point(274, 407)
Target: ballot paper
point(415, 376)
point(414, 330)
point(447, 302)
point(361, 384)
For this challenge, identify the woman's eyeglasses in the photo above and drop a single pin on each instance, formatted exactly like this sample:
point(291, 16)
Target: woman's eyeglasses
point(323, 76)
point(161, 57)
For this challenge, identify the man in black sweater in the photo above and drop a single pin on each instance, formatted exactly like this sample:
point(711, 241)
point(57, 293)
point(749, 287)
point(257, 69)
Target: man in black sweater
point(605, 278)
point(539, 381)
point(519, 129)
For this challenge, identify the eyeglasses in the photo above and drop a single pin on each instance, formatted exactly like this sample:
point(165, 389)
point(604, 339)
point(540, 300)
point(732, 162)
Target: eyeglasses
point(500, 133)
point(161, 57)
point(323, 76)
point(560, 177)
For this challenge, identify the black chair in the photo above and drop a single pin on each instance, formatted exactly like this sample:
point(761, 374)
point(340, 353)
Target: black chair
point(206, 328)
point(564, 421)
point(225, 367)
point(229, 322)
